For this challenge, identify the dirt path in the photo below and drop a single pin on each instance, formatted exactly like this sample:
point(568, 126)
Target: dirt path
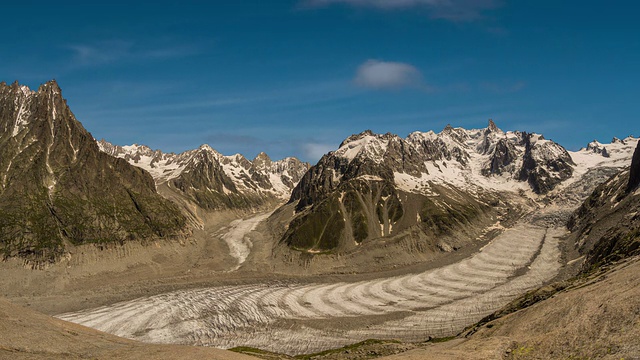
point(301, 317)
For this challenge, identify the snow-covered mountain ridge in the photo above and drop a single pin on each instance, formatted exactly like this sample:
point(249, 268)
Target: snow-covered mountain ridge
point(382, 185)
point(487, 158)
point(260, 176)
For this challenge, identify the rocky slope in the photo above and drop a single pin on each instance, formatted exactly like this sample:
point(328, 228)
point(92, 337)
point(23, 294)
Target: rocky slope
point(607, 225)
point(58, 190)
point(214, 181)
point(593, 315)
point(375, 185)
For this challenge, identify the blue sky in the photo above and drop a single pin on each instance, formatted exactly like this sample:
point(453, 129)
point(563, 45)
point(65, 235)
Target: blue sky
point(295, 77)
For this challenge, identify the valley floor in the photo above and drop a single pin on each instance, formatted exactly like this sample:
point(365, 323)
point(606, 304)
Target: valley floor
point(212, 291)
point(596, 317)
point(26, 334)
point(302, 317)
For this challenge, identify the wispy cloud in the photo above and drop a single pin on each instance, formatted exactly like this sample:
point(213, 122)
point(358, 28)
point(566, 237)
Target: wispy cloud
point(451, 10)
point(376, 74)
point(112, 51)
point(314, 151)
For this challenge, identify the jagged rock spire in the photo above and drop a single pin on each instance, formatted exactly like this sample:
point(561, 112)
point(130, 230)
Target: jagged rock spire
point(492, 126)
point(634, 175)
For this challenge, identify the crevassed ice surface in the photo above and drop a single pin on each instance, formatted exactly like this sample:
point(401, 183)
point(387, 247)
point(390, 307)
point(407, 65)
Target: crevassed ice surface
point(283, 317)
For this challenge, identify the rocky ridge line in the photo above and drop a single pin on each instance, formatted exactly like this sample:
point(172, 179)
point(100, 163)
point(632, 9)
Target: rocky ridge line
point(58, 190)
point(215, 181)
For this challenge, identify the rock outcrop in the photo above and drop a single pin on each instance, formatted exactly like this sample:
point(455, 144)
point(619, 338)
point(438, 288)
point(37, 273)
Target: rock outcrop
point(545, 164)
point(634, 172)
point(606, 227)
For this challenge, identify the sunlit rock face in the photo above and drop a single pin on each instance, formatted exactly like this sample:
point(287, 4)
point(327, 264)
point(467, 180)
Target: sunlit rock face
point(58, 188)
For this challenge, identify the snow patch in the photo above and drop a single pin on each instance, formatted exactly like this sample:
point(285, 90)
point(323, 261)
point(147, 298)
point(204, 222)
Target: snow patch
point(372, 146)
point(370, 178)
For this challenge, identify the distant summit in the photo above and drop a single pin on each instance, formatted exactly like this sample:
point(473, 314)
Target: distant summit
point(214, 181)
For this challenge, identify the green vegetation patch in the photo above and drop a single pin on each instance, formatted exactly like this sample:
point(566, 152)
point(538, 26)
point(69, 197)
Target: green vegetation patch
point(355, 346)
point(319, 229)
point(357, 215)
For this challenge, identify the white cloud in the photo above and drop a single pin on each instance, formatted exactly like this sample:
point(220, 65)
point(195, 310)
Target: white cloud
point(314, 151)
point(112, 51)
point(452, 10)
point(376, 74)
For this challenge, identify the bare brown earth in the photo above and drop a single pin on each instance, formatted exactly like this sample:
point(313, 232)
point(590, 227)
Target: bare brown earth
point(91, 275)
point(596, 317)
point(26, 334)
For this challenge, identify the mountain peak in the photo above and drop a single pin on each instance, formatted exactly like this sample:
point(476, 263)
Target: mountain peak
point(262, 161)
point(492, 126)
point(17, 88)
point(50, 86)
point(68, 181)
point(262, 157)
point(208, 149)
point(356, 137)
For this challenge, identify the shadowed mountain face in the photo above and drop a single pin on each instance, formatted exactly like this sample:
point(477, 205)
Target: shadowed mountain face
point(375, 185)
point(58, 189)
point(607, 225)
point(634, 172)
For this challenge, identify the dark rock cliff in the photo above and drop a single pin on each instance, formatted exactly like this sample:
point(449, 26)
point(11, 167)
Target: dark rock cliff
point(606, 227)
point(634, 172)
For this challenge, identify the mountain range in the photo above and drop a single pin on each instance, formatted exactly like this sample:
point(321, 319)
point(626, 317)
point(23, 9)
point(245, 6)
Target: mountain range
point(211, 181)
point(60, 187)
point(443, 183)
point(374, 196)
